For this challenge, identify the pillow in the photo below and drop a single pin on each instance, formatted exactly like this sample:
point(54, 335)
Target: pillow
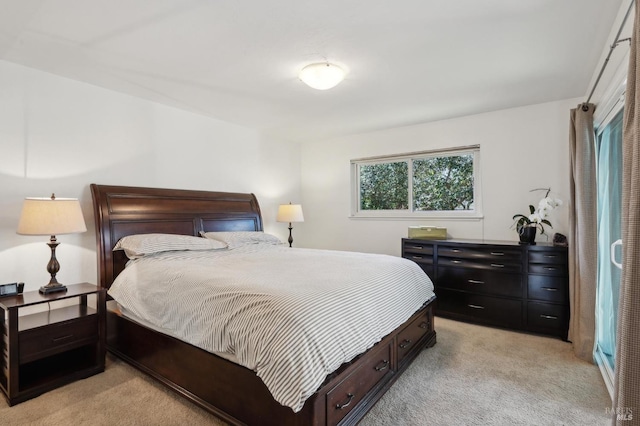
point(136, 246)
point(240, 238)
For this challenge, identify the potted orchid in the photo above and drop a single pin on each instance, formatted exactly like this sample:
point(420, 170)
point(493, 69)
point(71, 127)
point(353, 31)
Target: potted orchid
point(527, 225)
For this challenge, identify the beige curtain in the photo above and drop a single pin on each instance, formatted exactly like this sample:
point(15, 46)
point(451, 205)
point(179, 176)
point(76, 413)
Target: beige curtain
point(627, 368)
point(583, 233)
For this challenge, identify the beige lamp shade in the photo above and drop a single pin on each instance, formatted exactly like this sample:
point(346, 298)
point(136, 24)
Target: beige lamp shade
point(290, 213)
point(51, 216)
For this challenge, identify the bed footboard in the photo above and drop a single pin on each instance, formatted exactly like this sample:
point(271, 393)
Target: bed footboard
point(238, 396)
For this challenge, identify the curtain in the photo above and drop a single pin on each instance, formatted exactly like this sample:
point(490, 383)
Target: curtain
point(627, 371)
point(583, 233)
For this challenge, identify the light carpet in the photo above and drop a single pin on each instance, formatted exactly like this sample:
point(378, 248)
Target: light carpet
point(474, 375)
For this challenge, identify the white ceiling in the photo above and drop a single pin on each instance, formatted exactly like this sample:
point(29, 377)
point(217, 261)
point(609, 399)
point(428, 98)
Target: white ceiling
point(409, 61)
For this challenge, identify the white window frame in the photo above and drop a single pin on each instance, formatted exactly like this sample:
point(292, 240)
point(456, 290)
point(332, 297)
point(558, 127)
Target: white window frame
point(410, 213)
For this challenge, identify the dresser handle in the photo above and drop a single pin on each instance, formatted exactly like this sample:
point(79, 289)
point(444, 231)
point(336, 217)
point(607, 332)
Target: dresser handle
point(497, 253)
point(417, 257)
point(550, 256)
point(424, 325)
point(405, 343)
point(382, 366)
point(456, 261)
point(548, 317)
point(476, 306)
point(475, 282)
point(497, 265)
point(346, 404)
point(549, 268)
point(58, 339)
point(456, 251)
point(549, 289)
point(416, 247)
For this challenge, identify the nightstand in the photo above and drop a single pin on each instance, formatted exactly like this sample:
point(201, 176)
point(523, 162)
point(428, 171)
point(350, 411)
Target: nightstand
point(55, 346)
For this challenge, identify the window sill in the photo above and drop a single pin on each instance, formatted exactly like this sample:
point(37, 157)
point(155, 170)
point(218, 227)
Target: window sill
point(418, 217)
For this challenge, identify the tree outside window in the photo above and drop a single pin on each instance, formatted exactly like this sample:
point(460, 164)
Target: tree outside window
point(421, 183)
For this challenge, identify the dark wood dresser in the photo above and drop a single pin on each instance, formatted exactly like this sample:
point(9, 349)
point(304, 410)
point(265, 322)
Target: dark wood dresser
point(500, 283)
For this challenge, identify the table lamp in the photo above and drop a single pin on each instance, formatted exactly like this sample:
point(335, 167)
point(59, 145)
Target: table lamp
point(290, 213)
point(51, 216)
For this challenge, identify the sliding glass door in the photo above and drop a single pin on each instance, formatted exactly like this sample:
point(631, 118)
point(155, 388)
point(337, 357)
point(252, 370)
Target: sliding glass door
point(609, 183)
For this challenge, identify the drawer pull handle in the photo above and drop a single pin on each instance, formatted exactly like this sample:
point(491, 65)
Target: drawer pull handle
point(382, 366)
point(548, 317)
point(476, 306)
point(475, 282)
point(424, 325)
point(59, 339)
point(416, 257)
point(549, 268)
point(416, 247)
point(550, 256)
point(405, 344)
point(549, 289)
point(497, 253)
point(346, 404)
point(497, 265)
point(456, 261)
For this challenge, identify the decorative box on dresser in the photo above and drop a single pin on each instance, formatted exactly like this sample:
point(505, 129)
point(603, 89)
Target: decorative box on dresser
point(500, 283)
point(56, 345)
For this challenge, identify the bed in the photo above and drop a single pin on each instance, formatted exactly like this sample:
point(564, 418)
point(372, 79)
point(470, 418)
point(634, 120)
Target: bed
point(234, 393)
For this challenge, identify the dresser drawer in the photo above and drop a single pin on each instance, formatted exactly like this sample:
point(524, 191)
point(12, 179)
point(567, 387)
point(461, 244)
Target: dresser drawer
point(345, 396)
point(498, 265)
point(548, 256)
point(482, 281)
point(487, 254)
point(412, 333)
point(45, 341)
point(548, 318)
point(547, 269)
point(475, 307)
point(417, 247)
point(547, 288)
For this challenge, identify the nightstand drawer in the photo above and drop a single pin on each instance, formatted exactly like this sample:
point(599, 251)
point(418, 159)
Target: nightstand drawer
point(45, 341)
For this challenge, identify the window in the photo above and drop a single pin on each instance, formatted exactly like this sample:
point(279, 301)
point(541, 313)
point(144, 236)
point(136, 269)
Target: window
point(425, 184)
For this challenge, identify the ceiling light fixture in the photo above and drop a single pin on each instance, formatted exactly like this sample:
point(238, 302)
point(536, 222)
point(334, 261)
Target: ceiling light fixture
point(322, 76)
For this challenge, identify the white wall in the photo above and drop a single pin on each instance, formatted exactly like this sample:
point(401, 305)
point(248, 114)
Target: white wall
point(521, 149)
point(59, 135)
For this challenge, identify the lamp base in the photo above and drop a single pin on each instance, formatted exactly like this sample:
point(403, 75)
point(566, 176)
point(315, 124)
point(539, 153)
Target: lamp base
point(52, 288)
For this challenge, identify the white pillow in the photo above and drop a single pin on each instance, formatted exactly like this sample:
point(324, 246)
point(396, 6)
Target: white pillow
point(136, 246)
point(239, 238)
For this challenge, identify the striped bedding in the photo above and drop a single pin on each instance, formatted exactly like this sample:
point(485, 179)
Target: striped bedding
point(291, 315)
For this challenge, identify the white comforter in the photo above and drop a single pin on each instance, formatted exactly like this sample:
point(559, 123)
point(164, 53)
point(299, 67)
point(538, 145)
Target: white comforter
point(291, 315)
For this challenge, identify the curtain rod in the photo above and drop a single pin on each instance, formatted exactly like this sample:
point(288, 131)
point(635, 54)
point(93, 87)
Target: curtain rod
point(617, 41)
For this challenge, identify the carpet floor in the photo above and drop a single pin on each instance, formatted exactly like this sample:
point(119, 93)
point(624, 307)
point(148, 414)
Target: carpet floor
point(474, 375)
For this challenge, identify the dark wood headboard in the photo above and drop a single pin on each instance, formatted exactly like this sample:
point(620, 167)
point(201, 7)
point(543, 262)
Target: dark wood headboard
point(126, 210)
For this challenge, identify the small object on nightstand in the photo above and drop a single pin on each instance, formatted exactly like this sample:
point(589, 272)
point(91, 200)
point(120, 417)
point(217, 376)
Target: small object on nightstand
point(51, 216)
point(48, 349)
point(11, 289)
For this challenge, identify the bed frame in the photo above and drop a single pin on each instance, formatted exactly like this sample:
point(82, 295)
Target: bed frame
point(230, 391)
